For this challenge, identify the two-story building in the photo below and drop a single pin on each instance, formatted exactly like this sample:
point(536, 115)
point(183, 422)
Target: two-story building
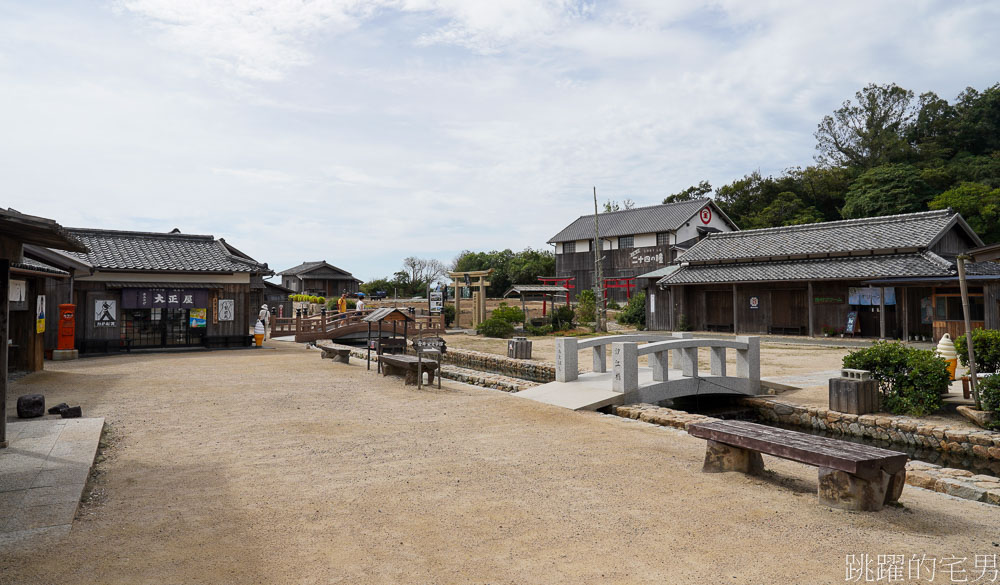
point(634, 241)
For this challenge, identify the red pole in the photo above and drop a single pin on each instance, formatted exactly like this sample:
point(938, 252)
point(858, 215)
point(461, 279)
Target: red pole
point(543, 305)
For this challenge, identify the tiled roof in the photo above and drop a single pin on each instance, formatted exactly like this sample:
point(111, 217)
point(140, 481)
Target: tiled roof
point(35, 265)
point(885, 234)
point(171, 252)
point(639, 220)
point(844, 267)
point(309, 266)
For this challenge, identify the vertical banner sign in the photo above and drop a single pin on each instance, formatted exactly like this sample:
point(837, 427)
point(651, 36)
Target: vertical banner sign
point(215, 310)
point(40, 315)
point(18, 291)
point(227, 309)
point(105, 313)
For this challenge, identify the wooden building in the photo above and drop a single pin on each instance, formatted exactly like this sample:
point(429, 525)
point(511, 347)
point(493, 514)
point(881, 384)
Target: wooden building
point(146, 290)
point(319, 278)
point(634, 241)
point(888, 277)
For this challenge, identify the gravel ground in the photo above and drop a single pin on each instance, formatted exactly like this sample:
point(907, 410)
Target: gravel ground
point(274, 466)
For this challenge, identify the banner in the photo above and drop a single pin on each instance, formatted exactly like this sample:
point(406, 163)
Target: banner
point(164, 298)
point(40, 315)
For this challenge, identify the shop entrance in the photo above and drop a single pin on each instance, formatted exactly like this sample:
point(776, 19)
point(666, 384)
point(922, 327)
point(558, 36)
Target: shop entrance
point(160, 328)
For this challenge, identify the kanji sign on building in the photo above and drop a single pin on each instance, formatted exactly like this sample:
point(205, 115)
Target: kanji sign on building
point(164, 298)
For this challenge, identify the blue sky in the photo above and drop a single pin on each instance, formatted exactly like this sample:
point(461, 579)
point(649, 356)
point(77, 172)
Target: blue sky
point(365, 132)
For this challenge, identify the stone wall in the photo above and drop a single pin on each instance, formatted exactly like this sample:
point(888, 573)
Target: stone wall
point(534, 370)
point(901, 430)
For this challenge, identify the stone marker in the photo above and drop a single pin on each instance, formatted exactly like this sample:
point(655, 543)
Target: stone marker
point(30, 406)
point(57, 409)
point(72, 412)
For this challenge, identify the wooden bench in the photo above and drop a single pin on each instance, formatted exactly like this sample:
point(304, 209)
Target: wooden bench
point(851, 476)
point(406, 365)
point(337, 354)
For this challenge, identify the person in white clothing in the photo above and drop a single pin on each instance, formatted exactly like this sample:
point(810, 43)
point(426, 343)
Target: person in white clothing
point(264, 317)
point(361, 304)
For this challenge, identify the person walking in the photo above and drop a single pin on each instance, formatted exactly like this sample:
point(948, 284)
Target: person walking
point(342, 303)
point(361, 304)
point(264, 317)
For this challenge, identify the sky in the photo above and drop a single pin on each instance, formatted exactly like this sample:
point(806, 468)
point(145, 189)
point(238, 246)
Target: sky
point(361, 133)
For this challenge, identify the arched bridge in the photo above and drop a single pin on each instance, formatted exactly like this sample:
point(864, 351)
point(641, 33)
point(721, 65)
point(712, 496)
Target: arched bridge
point(348, 326)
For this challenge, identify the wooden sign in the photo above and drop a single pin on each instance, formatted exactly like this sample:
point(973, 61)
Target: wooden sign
point(852, 323)
point(828, 300)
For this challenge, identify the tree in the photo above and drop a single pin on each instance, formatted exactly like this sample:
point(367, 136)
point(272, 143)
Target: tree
point(509, 268)
point(612, 205)
point(786, 208)
point(423, 271)
point(869, 133)
point(887, 190)
point(698, 191)
point(978, 204)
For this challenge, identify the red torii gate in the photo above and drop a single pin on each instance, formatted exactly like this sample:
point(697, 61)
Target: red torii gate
point(564, 281)
point(627, 283)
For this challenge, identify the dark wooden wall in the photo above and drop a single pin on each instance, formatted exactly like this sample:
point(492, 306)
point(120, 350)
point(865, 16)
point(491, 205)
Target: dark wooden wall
point(991, 299)
point(622, 263)
point(660, 319)
point(58, 291)
point(29, 354)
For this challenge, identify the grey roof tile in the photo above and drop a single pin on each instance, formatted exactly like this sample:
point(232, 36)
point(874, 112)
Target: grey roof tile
point(171, 252)
point(847, 267)
point(912, 230)
point(308, 266)
point(640, 220)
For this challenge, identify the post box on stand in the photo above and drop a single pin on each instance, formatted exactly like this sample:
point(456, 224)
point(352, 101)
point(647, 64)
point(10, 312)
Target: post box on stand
point(67, 334)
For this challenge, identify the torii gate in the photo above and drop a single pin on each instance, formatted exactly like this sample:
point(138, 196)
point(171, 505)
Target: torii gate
point(478, 298)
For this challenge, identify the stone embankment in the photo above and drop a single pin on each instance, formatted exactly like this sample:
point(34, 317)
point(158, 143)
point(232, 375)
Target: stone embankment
point(954, 482)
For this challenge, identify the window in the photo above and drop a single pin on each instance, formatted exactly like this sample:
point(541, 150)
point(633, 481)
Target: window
point(626, 242)
point(569, 247)
point(663, 239)
point(950, 309)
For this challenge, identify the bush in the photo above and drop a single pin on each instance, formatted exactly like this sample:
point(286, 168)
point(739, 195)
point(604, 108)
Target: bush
point(986, 343)
point(612, 304)
point(533, 329)
point(911, 380)
point(682, 323)
point(495, 327)
point(351, 304)
point(508, 314)
point(634, 312)
point(449, 315)
point(562, 318)
point(586, 306)
point(989, 392)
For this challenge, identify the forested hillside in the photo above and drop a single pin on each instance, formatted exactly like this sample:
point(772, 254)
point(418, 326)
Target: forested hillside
point(885, 152)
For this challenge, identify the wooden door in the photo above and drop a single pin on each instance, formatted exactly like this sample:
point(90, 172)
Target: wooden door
point(719, 310)
point(789, 311)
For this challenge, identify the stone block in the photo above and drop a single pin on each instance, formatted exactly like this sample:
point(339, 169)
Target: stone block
point(921, 479)
point(30, 406)
point(720, 457)
point(960, 489)
point(849, 492)
point(71, 412)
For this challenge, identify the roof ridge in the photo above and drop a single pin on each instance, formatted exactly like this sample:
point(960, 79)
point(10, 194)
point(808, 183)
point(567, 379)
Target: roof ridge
point(671, 204)
point(125, 233)
point(837, 223)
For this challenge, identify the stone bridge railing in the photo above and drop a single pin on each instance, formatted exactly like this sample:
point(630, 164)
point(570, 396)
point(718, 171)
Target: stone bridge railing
point(567, 358)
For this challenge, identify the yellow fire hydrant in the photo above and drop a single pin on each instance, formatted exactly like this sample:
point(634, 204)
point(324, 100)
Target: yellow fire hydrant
point(946, 350)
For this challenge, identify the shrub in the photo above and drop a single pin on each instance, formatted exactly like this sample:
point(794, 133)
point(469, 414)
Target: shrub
point(562, 318)
point(634, 312)
point(682, 323)
point(352, 304)
point(911, 380)
point(612, 304)
point(989, 392)
point(533, 329)
point(986, 344)
point(495, 327)
point(449, 315)
point(508, 314)
point(586, 306)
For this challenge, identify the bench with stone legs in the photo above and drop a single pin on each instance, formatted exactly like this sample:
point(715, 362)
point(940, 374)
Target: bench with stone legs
point(851, 476)
point(337, 354)
point(406, 365)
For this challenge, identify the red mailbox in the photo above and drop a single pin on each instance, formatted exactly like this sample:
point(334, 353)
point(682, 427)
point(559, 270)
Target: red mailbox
point(67, 326)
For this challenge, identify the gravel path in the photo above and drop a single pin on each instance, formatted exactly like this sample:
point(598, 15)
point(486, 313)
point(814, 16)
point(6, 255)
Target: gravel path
point(274, 466)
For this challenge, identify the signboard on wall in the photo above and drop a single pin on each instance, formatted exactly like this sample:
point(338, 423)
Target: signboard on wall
point(870, 296)
point(164, 298)
point(227, 309)
point(754, 302)
point(650, 255)
point(18, 291)
point(106, 313)
point(40, 315)
point(197, 317)
point(436, 302)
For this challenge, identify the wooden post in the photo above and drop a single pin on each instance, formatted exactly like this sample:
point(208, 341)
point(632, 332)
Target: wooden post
point(458, 305)
point(881, 312)
point(968, 329)
point(812, 309)
point(482, 299)
point(4, 313)
point(736, 311)
point(905, 311)
point(523, 310)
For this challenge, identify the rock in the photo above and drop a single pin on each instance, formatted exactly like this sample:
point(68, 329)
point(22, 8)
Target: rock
point(720, 457)
point(843, 490)
point(30, 406)
point(959, 489)
point(951, 472)
point(921, 479)
point(980, 451)
point(956, 436)
point(58, 408)
point(783, 409)
point(72, 412)
point(984, 439)
point(979, 417)
point(993, 497)
point(883, 421)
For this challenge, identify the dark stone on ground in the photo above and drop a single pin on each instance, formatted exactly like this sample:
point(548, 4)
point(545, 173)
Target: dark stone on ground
point(58, 408)
point(30, 406)
point(72, 412)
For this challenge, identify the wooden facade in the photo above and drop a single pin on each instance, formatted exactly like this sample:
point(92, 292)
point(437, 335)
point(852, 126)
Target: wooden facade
point(620, 263)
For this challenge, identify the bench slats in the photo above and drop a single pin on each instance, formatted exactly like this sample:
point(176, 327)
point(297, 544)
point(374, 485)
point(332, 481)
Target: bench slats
point(861, 460)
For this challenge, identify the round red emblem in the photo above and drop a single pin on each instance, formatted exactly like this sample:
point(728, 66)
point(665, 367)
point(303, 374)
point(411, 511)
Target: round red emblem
point(706, 214)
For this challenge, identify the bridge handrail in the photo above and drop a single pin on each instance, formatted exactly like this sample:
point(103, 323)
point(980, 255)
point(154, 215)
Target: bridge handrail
point(609, 339)
point(567, 360)
point(673, 344)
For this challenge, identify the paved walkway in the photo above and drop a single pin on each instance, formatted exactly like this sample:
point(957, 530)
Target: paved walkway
point(42, 475)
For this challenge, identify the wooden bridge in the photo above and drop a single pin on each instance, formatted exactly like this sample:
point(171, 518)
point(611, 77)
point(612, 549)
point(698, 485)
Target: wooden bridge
point(347, 326)
point(672, 372)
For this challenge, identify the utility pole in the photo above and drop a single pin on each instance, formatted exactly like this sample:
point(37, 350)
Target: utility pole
point(968, 329)
point(602, 310)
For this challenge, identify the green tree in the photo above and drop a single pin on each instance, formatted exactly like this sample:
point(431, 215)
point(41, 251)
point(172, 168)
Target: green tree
point(868, 133)
point(786, 208)
point(612, 205)
point(978, 204)
point(702, 189)
point(887, 190)
point(508, 267)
